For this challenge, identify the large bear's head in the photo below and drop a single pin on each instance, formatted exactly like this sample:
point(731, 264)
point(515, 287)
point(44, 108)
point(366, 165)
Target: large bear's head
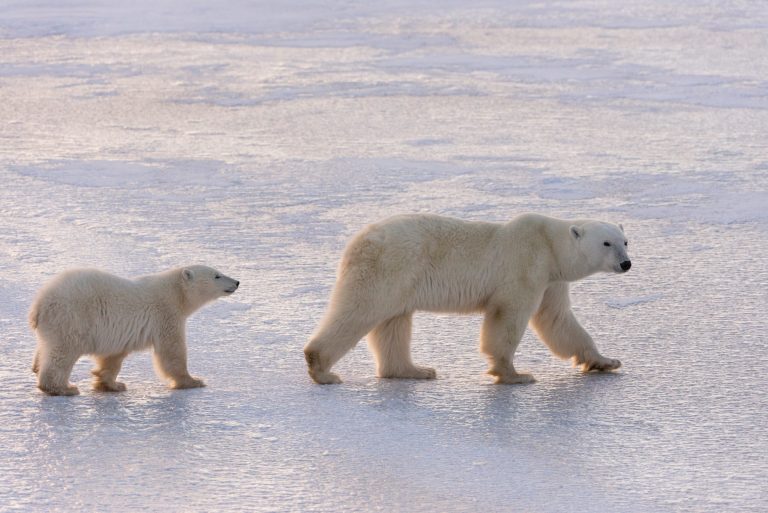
point(603, 246)
point(202, 284)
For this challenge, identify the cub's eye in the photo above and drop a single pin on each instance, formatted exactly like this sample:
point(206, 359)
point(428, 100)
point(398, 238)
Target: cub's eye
point(606, 244)
point(217, 277)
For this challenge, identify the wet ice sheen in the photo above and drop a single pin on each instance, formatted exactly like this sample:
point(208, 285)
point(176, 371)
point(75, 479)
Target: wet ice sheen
point(259, 138)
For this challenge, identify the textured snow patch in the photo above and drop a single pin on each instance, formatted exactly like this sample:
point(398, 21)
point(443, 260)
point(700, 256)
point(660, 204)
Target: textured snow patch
point(632, 301)
point(113, 173)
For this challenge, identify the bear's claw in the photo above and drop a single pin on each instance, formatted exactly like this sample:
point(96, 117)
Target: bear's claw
point(605, 365)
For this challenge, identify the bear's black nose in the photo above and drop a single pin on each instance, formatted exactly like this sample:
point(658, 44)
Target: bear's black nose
point(237, 283)
point(625, 265)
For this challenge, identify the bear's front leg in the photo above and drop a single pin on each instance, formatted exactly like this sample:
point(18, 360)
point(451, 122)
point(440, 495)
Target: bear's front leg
point(556, 325)
point(501, 333)
point(170, 358)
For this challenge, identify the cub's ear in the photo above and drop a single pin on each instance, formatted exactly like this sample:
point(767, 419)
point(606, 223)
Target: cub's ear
point(577, 231)
point(621, 227)
point(187, 274)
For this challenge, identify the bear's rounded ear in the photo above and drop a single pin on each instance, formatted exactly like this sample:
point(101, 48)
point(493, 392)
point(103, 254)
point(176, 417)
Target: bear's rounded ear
point(621, 227)
point(187, 274)
point(576, 231)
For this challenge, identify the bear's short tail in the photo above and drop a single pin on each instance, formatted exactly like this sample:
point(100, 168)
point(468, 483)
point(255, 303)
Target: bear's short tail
point(33, 313)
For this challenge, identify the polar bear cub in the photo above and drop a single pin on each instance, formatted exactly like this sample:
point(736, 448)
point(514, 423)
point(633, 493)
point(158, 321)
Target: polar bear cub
point(86, 311)
point(515, 273)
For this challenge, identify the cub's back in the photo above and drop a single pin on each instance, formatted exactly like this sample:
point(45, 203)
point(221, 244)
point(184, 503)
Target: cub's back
point(81, 293)
point(83, 283)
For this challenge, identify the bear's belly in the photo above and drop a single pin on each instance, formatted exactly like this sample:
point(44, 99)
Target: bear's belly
point(122, 335)
point(448, 297)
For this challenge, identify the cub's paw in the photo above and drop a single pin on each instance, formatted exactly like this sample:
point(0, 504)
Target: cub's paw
point(423, 373)
point(187, 382)
point(115, 386)
point(68, 390)
point(514, 378)
point(325, 378)
point(413, 372)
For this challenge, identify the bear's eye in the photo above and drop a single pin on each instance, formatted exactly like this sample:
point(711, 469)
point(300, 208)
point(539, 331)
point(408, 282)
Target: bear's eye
point(217, 277)
point(607, 244)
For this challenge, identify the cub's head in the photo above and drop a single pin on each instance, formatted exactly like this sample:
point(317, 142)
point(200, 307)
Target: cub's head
point(202, 284)
point(603, 246)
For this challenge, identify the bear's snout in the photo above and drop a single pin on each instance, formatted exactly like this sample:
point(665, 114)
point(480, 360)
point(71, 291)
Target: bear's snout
point(625, 265)
point(233, 288)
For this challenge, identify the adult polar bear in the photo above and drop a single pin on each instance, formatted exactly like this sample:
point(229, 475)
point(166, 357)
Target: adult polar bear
point(86, 311)
point(515, 273)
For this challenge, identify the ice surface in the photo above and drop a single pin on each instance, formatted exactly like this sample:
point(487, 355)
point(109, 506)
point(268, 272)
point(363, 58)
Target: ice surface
point(627, 302)
point(258, 136)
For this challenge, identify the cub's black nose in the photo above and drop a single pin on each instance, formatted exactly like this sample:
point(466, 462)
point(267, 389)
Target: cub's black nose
point(237, 283)
point(625, 265)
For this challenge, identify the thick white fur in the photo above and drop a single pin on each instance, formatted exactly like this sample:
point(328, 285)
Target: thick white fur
point(513, 272)
point(86, 311)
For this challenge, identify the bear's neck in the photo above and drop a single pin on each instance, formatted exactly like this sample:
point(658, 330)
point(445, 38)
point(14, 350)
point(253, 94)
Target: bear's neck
point(175, 287)
point(571, 269)
point(189, 303)
point(569, 264)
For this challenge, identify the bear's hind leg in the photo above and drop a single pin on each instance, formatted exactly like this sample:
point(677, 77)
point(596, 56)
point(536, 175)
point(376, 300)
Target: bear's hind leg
point(36, 361)
point(390, 342)
point(334, 339)
point(54, 369)
point(106, 371)
point(499, 338)
point(355, 308)
point(556, 325)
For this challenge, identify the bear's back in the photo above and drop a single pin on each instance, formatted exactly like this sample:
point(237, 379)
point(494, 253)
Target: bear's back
point(82, 283)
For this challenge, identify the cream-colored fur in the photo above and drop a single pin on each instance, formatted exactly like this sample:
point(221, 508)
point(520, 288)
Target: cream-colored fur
point(513, 272)
point(86, 311)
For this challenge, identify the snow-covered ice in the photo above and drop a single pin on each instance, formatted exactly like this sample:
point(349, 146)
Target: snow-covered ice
point(258, 136)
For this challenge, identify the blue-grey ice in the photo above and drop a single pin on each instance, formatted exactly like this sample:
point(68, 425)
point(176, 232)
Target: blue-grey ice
point(256, 137)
